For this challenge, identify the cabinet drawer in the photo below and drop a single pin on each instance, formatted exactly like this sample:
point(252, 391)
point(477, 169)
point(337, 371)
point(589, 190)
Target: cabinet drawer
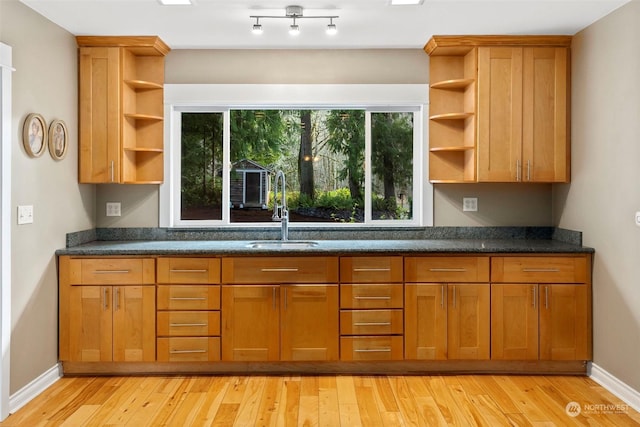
point(265, 270)
point(112, 271)
point(371, 322)
point(188, 270)
point(185, 297)
point(371, 269)
point(383, 295)
point(539, 269)
point(371, 348)
point(188, 323)
point(196, 349)
point(446, 269)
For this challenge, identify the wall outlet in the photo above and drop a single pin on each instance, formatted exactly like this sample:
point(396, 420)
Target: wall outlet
point(470, 204)
point(113, 209)
point(25, 214)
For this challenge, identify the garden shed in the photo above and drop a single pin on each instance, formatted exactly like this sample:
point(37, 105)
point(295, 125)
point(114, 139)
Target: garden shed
point(250, 185)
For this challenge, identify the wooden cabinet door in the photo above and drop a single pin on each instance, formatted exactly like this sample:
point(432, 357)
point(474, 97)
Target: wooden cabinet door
point(468, 321)
point(565, 322)
point(250, 323)
point(425, 325)
point(99, 115)
point(514, 322)
point(309, 322)
point(545, 154)
point(134, 323)
point(499, 114)
point(90, 324)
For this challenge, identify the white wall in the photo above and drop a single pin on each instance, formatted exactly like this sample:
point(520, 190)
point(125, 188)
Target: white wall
point(45, 82)
point(605, 190)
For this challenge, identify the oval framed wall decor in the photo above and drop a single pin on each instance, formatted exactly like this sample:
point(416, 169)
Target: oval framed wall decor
point(58, 139)
point(34, 135)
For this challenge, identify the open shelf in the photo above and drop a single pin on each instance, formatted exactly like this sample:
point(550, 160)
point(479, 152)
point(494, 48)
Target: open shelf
point(143, 84)
point(453, 84)
point(451, 116)
point(137, 116)
point(454, 148)
point(452, 109)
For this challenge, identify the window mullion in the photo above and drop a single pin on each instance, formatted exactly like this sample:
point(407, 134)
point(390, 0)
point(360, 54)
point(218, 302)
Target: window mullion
point(226, 166)
point(367, 167)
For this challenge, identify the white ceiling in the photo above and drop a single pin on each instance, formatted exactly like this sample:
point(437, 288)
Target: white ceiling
point(362, 24)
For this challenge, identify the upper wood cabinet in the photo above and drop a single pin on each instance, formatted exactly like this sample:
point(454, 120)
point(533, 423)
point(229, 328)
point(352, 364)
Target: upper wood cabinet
point(499, 109)
point(522, 114)
point(121, 93)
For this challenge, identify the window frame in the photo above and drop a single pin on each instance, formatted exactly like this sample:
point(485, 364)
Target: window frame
point(180, 98)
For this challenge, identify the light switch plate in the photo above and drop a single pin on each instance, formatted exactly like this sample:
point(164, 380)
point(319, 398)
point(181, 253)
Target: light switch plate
point(638, 218)
point(25, 214)
point(113, 209)
point(470, 204)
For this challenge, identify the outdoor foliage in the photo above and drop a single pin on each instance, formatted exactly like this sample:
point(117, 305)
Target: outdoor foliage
point(322, 153)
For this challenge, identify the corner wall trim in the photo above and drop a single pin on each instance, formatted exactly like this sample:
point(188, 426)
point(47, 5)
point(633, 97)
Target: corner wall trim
point(34, 388)
point(629, 395)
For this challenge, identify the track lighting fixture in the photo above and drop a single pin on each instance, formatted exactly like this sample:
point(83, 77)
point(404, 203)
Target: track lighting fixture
point(257, 28)
point(294, 13)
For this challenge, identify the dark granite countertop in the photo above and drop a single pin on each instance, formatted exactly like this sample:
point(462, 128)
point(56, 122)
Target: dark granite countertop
point(323, 247)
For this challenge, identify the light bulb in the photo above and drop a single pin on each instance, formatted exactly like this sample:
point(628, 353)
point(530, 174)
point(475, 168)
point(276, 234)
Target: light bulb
point(332, 29)
point(294, 30)
point(257, 29)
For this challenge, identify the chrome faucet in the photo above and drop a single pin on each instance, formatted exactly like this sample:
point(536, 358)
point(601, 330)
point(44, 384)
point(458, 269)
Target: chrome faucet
point(281, 213)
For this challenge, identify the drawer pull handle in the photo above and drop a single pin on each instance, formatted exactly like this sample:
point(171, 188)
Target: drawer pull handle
point(372, 298)
point(112, 272)
point(365, 269)
point(187, 271)
point(187, 351)
point(175, 325)
point(372, 350)
point(447, 270)
point(372, 324)
point(279, 270)
point(187, 299)
point(541, 270)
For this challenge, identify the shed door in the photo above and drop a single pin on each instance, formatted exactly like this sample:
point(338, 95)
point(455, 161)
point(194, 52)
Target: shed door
point(252, 189)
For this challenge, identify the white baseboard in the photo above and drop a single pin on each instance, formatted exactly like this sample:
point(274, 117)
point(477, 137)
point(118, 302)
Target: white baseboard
point(628, 395)
point(34, 388)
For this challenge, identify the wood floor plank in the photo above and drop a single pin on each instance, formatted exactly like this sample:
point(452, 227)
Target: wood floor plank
point(328, 402)
point(250, 404)
point(213, 398)
point(347, 401)
point(452, 410)
point(406, 400)
point(81, 416)
point(519, 397)
point(270, 402)
point(289, 414)
point(369, 413)
point(343, 400)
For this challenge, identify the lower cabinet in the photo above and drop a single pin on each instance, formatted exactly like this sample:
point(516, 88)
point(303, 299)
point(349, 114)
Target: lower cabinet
point(447, 321)
point(107, 309)
point(489, 312)
point(542, 310)
point(545, 322)
point(112, 323)
point(280, 322)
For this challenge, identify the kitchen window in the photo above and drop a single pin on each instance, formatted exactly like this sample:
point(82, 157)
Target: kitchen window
point(344, 164)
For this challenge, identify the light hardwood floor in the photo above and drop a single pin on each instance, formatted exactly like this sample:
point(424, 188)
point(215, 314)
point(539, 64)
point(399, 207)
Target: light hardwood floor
point(465, 400)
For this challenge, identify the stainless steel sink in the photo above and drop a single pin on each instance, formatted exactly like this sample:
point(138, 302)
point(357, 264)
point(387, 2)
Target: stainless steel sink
point(282, 244)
